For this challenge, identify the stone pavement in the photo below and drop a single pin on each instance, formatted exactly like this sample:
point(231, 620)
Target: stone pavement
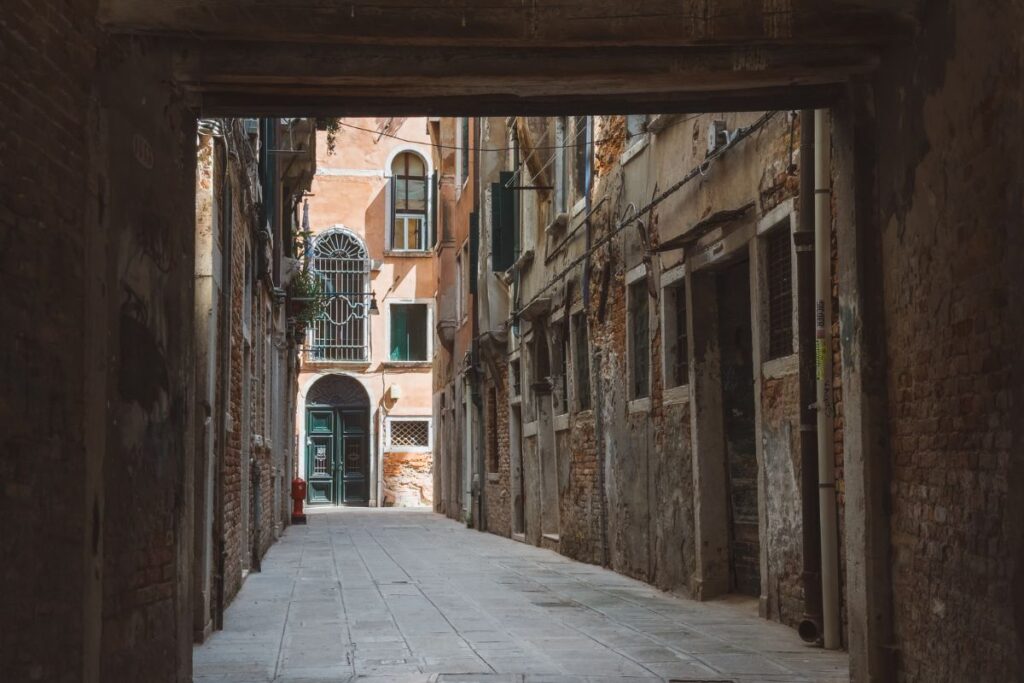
point(409, 596)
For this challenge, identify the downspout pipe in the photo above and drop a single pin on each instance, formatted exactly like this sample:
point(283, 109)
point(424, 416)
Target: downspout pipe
point(823, 366)
point(803, 238)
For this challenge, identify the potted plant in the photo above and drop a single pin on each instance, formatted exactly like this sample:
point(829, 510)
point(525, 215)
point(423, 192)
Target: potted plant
point(306, 300)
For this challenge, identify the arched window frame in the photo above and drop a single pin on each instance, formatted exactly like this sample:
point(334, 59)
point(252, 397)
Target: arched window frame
point(392, 214)
point(340, 257)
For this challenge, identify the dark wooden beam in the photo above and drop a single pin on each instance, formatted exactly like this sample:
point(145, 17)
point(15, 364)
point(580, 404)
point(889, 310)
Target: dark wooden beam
point(515, 23)
point(311, 104)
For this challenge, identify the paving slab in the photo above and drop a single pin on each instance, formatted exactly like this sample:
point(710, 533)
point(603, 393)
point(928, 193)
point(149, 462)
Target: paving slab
point(366, 595)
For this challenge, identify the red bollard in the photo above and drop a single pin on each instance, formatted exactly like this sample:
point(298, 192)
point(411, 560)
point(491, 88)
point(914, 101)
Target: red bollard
point(298, 495)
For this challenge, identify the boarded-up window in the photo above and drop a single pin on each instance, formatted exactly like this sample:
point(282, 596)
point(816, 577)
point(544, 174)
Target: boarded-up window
point(780, 294)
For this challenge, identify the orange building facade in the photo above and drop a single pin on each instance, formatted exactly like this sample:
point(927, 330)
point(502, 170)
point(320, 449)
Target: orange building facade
point(364, 425)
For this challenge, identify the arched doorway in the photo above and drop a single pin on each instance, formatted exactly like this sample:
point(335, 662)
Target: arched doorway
point(337, 442)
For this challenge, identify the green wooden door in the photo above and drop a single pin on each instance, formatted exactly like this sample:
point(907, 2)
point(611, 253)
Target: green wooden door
point(337, 456)
point(321, 456)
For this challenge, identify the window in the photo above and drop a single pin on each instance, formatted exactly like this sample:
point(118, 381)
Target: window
point(462, 142)
point(458, 289)
point(583, 146)
point(581, 360)
point(341, 333)
point(407, 434)
point(561, 391)
point(517, 381)
point(492, 430)
point(636, 125)
point(409, 332)
point(561, 195)
point(677, 360)
point(639, 340)
point(780, 294)
point(409, 225)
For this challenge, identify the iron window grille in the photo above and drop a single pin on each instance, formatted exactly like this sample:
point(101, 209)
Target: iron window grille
point(341, 333)
point(679, 362)
point(408, 434)
point(780, 294)
point(639, 330)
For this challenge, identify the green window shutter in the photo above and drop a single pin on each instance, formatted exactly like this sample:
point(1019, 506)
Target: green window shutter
point(503, 223)
point(399, 333)
point(474, 250)
point(433, 213)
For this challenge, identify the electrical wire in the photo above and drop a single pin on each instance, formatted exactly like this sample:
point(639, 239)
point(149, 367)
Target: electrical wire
point(700, 170)
point(437, 145)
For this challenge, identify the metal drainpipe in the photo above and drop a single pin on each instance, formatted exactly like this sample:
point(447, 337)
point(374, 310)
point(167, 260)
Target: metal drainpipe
point(225, 392)
point(823, 354)
point(803, 238)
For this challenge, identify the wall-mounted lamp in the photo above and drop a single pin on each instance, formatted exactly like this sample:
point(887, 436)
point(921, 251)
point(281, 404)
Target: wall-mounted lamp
point(373, 304)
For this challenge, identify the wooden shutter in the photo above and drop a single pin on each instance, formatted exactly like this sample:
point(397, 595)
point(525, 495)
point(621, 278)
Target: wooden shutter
point(433, 206)
point(474, 250)
point(503, 223)
point(389, 212)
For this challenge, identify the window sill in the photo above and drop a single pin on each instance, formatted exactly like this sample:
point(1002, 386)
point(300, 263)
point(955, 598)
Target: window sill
point(660, 122)
point(409, 253)
point(639, 145)
point(407, 449)
point(324, 362)
point(530, 429)
point(412, 364)
point(783, 366)
point(676, 395)
point(561, 422)
point(516, 400)
point(493, 477)
point(640, 405)
point(552, 537)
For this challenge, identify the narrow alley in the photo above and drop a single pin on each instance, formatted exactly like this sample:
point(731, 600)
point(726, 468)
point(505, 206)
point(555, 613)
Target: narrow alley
point(397, 595)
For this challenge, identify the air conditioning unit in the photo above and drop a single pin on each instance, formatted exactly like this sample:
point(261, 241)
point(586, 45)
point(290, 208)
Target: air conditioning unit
point(718, 136)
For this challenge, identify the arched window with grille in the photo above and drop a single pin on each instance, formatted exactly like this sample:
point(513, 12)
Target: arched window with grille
point(410, 194)
point(342, 333)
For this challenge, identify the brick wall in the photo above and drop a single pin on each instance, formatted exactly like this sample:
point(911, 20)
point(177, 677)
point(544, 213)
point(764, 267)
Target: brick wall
point(49, 53)
point(408, 479)
point(951, 246)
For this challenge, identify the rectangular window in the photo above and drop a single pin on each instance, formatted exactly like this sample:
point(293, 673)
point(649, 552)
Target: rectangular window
point(409, 333)
point(677, 365)
point(409, 233)
point(562, 397)
point(463, 145)
point(639, 340)
point(583, 147)
point(407, 434)
point(517, 381)
point(464, 283)
point(561, 195)
point(458, 289)
point(780, 294)
point(581, 360)
point(636, 125)
point(492, 430)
